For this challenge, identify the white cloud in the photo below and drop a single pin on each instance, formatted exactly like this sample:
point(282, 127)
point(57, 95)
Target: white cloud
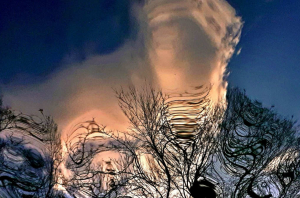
point(191, 42)
point(180, 44)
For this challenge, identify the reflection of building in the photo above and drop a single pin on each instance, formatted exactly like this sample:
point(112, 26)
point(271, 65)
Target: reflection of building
point(187, 112)
point(108, 176)
point(92, 126)
point(109, 180)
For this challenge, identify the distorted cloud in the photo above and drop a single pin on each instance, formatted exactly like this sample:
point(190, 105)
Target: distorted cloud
point(179, 44)
point(192, 42)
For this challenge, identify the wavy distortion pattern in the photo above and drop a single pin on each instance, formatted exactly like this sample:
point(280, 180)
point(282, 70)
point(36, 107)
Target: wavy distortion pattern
point(187, 111)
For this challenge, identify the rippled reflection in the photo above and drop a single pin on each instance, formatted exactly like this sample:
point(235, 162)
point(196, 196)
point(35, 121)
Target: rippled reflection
point(187, 111)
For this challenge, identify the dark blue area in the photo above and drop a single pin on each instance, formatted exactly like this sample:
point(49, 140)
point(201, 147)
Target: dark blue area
point(36, 35)
point(269, 64)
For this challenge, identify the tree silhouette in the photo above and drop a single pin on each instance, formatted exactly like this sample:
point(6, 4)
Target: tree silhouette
point(171, 153)
point(25, 170)
point(259, 149)
point(84, 144)
point(177, 146)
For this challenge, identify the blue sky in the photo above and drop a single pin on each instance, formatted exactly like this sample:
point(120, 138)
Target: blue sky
point(37, 36)
point(268, 66)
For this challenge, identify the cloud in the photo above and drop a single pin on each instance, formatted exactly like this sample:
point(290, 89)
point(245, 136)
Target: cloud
point(179, 44)
point(81, 91)
point(191, 43)
point(239, 51)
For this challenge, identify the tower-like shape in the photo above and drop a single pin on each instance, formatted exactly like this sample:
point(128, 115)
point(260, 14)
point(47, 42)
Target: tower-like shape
point(187, 111)
point(191, 42)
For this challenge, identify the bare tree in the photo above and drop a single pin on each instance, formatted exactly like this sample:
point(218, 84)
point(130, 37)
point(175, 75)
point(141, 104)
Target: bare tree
point(32, 165)
point(84, 144)
point(177, 146)
point(258, 149)
point(25, 170)
point(172, 150)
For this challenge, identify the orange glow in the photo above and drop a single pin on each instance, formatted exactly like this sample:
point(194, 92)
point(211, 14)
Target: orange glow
point(187, 45)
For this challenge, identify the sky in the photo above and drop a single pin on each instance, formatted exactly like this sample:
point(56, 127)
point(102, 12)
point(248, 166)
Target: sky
point(268, 66)
point(67, 56)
